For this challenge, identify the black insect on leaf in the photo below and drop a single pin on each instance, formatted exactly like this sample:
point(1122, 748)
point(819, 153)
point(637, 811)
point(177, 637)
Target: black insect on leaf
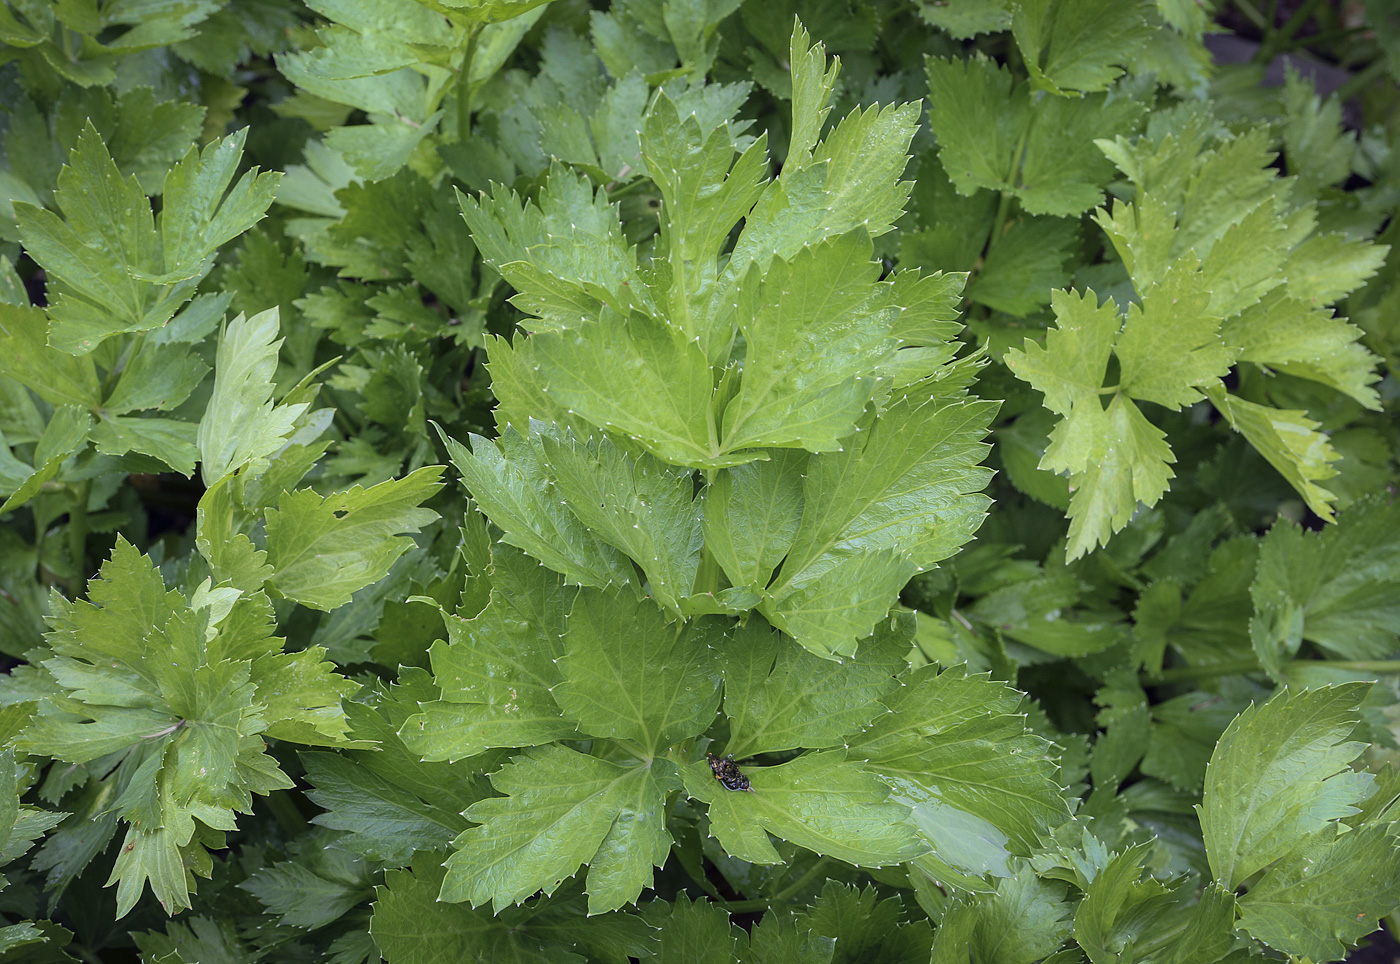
point(727, 773)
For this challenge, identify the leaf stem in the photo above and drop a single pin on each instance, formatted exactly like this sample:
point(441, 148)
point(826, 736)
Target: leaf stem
point(1276, 41)
point(1238, 667)
point(1360, 80)
point(793, 888)
point(1252, 14)
point(77, 537)
point(464, 88)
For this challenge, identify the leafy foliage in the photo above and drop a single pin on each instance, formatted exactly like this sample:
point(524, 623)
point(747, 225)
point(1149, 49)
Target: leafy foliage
point(980, 439)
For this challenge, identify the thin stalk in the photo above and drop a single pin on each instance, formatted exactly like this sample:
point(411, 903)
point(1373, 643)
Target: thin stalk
point(1252, 14)
point(796, 886)
point(1277, 40)
point(288, 817)
point(1012, 175)
point(1361, 80)
point(464, 89)
point(77, 538)
point(1237, 667)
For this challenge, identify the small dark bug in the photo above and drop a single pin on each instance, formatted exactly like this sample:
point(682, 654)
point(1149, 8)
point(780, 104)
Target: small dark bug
point(727, 773)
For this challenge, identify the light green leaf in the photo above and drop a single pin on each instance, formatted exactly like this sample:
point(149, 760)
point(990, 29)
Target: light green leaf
point(171, 441)
point(817, 801)
point(231, 555)
point(564, 255)
point(563, 809)
point(1338, 588)
point(752, 513)
point(953, 742)
point(705, 192)
point(1326, 896)
point(901, 496)
point(640, 505)
point(1078, 45)
point(1300, 338)
point(323, 549)
point(1291, 443)
point(65, 435)
point(1072, 365)
point(636, 376)
point(511, 481)
point(814, 330)
point(630, 676)
point(778, 696)
point(1279, 776)
point(497, 671)
point(1170, 343)
point(56, 377)
point(1116, 459)
point(241, 425)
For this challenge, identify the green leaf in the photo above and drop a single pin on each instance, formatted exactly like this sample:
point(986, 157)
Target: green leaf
point(1025, 264)
point(854, 550)
point(955, 750)
point(25, 355)
point(814, 330)
point(171, 441)
point(563, 809)
point(386, 800)
point(1280, 776)
point(1171, 345)
point(323, 549)
point(640, 505)
point(778, 696)
point(1074, 45)
point(1039, 151)
point(159, 377)
point(1327, 895)
point(695, 932)
point(962, 19)
point(817, 801)
point(241, 425)
point(65, 436)
point(1289, 441)
point(311, 896)
point(511, 481)
point(1120, 909)
point(1336, 588)
point(627, 675)
point(498, 670)
point(752, 513)
point(381, 821)
point(1025, 920)
point(636, 376)
point(412, 925)
point(865, 928)
point(112, 270)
